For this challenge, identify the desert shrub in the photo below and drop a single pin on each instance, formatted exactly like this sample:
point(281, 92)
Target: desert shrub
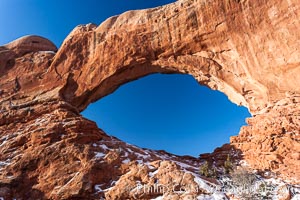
point(228, 165)
point(244, 183)
point(207, 170)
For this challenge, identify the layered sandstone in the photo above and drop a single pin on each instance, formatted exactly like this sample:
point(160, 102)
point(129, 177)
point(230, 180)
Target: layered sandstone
point(247, 49)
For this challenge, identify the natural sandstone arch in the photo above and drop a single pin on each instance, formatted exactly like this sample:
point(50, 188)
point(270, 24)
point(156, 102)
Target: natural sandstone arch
point(247, 49)
point(220, 43)
point(225, 45)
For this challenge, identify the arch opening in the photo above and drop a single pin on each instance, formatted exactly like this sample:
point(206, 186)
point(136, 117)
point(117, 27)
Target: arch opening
point(170, 112)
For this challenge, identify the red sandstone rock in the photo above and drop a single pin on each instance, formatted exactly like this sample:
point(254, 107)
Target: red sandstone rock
point(246, 49)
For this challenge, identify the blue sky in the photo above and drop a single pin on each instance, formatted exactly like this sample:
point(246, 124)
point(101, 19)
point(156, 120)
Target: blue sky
point(170, 112)
point(54, 19)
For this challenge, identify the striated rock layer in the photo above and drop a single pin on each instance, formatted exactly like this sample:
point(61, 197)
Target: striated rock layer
point(248, 50)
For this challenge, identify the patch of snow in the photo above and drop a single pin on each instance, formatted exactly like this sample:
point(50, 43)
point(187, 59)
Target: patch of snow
point(151, 174)
point(274, 181)
point(133, 146)
point(219, 196)
point(213, 197)
point(296, 197)
point(40, 121)
point(50, 52)
point(126, 161)
point(139, 162)
point(296, 189)
point(3, 140)
point(267, 173)
point(130, 151)
point(158, 198)
point(113, 183)
point(94, 145)
point(98, 188)
point(142, 156)
point(99, 154)
point(150, 166)
point(184, 166)
point(4, 163)
point(203, 184)
point(104, 147)
point(68, 124)
point(164, 157)
point(204, 197)
point(126, 154)
point(10, 177)
point(70, 181)
point(243, 163)
point(148, 151)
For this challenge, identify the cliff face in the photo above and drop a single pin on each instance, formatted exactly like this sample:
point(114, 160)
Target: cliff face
point(248, 50)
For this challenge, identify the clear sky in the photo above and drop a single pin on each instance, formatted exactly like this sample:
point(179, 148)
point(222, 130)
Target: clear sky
point(54, 19)
point(170, 112)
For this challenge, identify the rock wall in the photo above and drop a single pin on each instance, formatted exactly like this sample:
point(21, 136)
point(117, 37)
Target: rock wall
point(248, 50)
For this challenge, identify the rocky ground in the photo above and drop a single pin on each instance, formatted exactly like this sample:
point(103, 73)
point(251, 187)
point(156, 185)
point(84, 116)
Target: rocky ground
point(61, 155)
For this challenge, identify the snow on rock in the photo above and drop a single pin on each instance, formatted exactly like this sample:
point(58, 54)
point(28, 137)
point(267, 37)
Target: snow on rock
point(140, 162)
point(164, 157)
point(158, 198)
point(3, 140)
point(99, 154)
point(104, 147)
point(152, 174)
point(150, 166)
point(126, 161)
point(185, 166)
point(98, 188)
point(129, 150)
point(48, 52)
point(219, 196)
point(203, 184)
point(4, 163)
point(126, 154)
point(139, 155)
point(215, 196)
point(296, 197)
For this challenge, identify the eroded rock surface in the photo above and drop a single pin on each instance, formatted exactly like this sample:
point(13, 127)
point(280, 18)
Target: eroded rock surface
point(247, 49)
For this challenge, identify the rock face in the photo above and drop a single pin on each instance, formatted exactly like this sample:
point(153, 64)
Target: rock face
point(248, 50)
